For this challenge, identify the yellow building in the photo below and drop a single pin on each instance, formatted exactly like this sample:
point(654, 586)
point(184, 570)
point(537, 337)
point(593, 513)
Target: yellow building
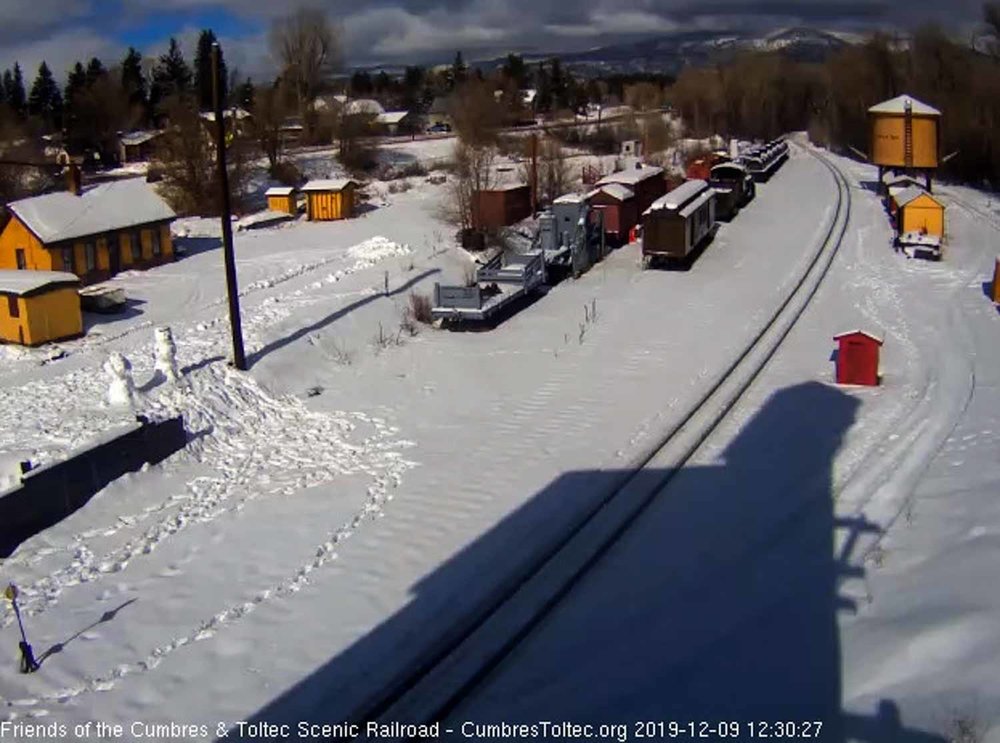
point(94, 234)
point(39, 306)
point(330, 199)
point(282, 199)
point(918, 211)
point(905, 134)
point(996, 281)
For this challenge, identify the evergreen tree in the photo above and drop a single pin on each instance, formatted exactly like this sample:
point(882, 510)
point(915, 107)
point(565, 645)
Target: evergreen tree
point(95, 71)
point(45, 102)
point(515, 70)
point(76, 85)
point(413, 83)
point(133, 81)
point(361, 84)
point(171, 76)
point(14, 91)
point(458, 71)
point(203, 70)
point(3, 88)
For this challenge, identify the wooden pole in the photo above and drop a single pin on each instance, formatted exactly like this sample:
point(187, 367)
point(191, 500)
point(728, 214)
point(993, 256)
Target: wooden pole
point(534, 173)
point(239, 357)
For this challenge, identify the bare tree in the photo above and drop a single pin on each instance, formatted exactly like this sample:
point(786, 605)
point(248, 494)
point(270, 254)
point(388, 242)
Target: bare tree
point(473, 172)
point(185, 162)
point(554, 176)
point(309, 49)
point(476, 113)
point(268, 117)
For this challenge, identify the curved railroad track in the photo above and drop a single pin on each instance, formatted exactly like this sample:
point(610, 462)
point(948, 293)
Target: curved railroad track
point(447, 673)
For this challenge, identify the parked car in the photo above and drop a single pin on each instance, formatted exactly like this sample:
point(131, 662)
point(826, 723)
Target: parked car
point(439, 129)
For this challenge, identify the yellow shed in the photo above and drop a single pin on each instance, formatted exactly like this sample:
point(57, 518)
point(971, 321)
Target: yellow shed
point(39, 306)
point(918, 211)
point(94, 233)
point(330, 199)
point(904, 133)
point(282, 199)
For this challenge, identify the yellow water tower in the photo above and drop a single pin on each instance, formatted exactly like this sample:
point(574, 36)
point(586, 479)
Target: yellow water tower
point(905, 136)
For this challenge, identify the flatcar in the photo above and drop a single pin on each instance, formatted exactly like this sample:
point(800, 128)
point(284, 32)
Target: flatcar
point(678, 223)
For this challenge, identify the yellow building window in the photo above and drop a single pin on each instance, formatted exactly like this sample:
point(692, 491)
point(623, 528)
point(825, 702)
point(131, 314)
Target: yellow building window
point(12, 307)
point(67, 259)
point(90, 253)
point(155, 240)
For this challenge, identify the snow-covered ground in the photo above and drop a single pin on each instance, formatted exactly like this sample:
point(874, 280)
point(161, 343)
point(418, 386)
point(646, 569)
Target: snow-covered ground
point(828, 553)
point(360, 489)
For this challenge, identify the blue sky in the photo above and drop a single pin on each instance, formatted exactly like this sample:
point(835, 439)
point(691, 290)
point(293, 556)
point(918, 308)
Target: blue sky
point(397, 32)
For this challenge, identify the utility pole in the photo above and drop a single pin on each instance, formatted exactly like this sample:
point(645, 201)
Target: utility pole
point(534, 173)
point(239, 358)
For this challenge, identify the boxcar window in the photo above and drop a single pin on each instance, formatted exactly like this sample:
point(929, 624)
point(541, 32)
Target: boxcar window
point(12, 307)
point(67, 259)
point(135, 243)
point(91, 254)
point(154, 239)
point(21, 262)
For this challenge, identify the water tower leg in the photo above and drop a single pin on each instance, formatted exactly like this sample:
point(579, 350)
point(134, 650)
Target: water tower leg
point(881, 182)
point(927, 180)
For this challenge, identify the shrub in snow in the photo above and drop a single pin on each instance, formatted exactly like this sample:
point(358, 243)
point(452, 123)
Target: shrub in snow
point(166, 355)
point(420, 308)
point(121, 391)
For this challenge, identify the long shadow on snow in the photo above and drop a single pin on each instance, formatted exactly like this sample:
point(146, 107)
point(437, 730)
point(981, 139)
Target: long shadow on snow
point(719, 603)
point(333, 317)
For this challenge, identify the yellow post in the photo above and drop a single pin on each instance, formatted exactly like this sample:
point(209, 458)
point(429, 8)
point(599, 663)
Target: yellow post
point(996, 281)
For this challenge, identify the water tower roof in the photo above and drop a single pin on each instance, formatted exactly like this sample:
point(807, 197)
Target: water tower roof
point(897, 105)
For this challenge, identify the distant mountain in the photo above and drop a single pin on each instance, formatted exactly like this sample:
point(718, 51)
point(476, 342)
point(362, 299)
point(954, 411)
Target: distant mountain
point(669, 54)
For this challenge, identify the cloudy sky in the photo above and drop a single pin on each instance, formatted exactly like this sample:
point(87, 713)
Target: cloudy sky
point(400, 31)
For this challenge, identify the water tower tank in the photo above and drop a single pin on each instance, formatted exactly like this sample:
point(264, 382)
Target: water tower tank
point(904, 133)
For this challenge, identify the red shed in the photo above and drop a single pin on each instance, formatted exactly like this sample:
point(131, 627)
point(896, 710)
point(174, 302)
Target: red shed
point(617, 203)
point(646, 181)
point(858, 357)
point(502, 206)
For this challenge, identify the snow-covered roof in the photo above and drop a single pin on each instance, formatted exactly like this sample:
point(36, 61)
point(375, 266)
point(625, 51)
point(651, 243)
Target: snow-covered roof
point(912, 193)
point(693, 206)
point(241, 113)
point(328, 184)
point(679, 196)
point(529, 95)
point(134, 138)
point(856, 331)
point(391, 117)
point(897, 105)
point(633, 176)
point(614, 190)
point(23, 283)
point(115, 205)
point(570, 198)
point(279, 191)
point(365, 106)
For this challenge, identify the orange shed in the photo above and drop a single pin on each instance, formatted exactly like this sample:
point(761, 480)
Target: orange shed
point(858, 357)
point(282, 199)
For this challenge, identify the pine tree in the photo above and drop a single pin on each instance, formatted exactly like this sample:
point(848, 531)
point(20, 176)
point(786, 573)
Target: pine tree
point(3, 88)
point(458, 71)
point(45, 102)
point(171, 76)
point(95, 71)
point(203, 70)
point(133, 81)
point(76, 84)
point(16, 97)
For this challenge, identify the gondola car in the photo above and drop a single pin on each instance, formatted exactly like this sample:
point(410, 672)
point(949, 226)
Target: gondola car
point(678, 223)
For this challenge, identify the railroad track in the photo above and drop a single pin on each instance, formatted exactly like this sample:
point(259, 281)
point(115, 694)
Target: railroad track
point(449, 671)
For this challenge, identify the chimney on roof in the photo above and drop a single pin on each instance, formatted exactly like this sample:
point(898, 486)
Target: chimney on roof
point(73, 179)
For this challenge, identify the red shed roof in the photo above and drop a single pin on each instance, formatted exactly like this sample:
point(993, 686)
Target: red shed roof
point(865, 333)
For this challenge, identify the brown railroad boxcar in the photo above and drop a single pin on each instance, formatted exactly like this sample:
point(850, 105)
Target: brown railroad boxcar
point(501, 206)
point(678, 223)
point(646, 181)
point(617, 203)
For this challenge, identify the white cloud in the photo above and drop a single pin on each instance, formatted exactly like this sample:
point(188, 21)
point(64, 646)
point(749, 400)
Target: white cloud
point(60, 51)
